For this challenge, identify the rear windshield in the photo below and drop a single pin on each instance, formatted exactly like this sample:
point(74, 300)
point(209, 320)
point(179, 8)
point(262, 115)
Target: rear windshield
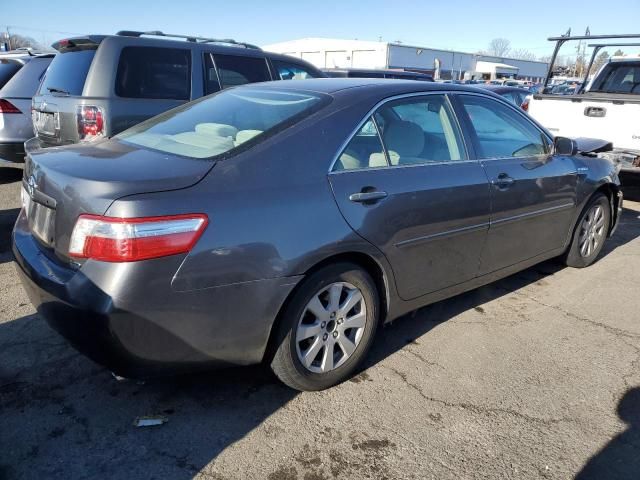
point(7, 70)
point(223, 122)
point(68, 72)
point(619, 78)
point(25, 83)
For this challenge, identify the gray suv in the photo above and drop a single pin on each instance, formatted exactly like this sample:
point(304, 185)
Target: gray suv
point(100, 85)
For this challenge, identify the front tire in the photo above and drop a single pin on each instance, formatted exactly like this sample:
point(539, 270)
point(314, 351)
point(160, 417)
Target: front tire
point(590, 233)
point(327, 328)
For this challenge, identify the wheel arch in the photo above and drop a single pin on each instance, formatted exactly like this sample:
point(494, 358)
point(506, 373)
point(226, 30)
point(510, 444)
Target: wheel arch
point(611, 190)
point(365, 261)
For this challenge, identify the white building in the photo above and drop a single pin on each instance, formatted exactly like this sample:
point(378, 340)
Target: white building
point(338, 53)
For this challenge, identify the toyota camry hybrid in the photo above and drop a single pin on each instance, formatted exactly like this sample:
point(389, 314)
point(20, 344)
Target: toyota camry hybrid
point(284, 223)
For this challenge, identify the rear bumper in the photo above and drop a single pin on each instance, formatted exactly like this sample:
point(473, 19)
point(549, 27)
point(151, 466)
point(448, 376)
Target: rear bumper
point(142, 330)
point(12, 152)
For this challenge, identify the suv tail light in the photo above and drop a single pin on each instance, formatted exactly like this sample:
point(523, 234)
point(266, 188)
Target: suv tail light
point(525, 104)
point(111, 239)
point(7, 107)
point(90, 122)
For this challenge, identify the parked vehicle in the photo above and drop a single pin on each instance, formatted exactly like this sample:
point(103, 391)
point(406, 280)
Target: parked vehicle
point(284, 222)
point(98, 86)
point(372, 73)
point(515, 95)
point(608, 107)
point(20, 74)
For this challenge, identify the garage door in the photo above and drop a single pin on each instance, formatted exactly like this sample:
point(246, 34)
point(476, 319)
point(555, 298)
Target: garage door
point(364, 59)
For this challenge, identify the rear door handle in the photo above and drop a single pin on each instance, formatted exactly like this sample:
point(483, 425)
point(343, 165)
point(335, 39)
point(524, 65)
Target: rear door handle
point(503, 181)
point(367, 197)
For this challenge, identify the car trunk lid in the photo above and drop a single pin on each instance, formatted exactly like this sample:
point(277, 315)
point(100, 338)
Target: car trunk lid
point(62, 183)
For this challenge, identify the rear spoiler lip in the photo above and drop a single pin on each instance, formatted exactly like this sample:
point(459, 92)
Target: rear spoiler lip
point(78, 43)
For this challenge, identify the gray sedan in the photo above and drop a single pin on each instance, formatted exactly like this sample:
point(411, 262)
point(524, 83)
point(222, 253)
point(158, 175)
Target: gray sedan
point(284, 223)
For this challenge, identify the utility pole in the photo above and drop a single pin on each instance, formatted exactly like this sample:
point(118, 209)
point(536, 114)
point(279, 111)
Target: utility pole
point(9, 38)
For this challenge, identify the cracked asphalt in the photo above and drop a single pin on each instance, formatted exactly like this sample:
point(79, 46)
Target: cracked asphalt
point(535, 376)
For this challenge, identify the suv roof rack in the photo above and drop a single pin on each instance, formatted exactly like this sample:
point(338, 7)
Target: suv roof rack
point(188, 38)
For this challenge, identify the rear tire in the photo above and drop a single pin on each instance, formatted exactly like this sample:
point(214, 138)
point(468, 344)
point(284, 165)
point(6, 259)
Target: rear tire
point(589, 233)
point(327, 328)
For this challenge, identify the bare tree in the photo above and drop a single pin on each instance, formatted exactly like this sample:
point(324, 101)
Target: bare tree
point(618, 53)
point(499, 47)
point(522, 54)
point(545, 58)
point(22, 41)
point(600, 60)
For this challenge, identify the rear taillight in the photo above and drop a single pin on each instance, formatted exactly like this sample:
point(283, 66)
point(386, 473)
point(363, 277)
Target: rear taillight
point(525, 104)
point(90, 122)
point(7, 107)
point(111, 239)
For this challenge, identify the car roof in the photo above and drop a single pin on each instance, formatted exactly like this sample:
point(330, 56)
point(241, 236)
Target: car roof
point(383, 85)
point(172, 42)
point(502, 88)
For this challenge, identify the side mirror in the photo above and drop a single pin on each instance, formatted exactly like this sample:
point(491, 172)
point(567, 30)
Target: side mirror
point(564, 146)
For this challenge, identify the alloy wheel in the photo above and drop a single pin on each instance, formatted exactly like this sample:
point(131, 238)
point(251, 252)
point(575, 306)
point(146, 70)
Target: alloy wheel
point(591, 231)
point(331, 327)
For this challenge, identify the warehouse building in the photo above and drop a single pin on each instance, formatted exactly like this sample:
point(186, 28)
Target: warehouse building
point(444, 64)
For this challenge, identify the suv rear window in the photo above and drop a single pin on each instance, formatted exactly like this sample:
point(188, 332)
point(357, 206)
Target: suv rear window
point(7, 70)
point(152, 72)
point(223, 122)
point(68, 72)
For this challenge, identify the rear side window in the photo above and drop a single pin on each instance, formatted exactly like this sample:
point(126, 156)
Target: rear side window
point(7, 70)
point(619, 78)
point(68, 72)
point(292, 71)
point(235, 70)
point(501, 132)
point(25, 83)
point(152, 72)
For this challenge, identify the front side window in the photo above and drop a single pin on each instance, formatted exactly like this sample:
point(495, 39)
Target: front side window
point(292, 71)
point(236, 70)
point(501, 132)
point(153, 72)
point(223, 122)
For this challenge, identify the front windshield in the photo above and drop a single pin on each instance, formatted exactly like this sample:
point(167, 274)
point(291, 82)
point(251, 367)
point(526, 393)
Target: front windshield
point(220, 123)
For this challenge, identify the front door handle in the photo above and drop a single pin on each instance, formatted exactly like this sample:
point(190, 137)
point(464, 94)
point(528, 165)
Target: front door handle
point(367, 197)
point(503, 181)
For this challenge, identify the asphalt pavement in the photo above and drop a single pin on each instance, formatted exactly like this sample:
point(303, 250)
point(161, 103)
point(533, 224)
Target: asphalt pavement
point(535, 376)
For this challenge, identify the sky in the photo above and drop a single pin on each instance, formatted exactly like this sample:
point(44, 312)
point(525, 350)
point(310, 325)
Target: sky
point(467, 25)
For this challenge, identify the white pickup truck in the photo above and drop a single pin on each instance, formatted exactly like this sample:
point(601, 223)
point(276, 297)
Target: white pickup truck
point(608, 109)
